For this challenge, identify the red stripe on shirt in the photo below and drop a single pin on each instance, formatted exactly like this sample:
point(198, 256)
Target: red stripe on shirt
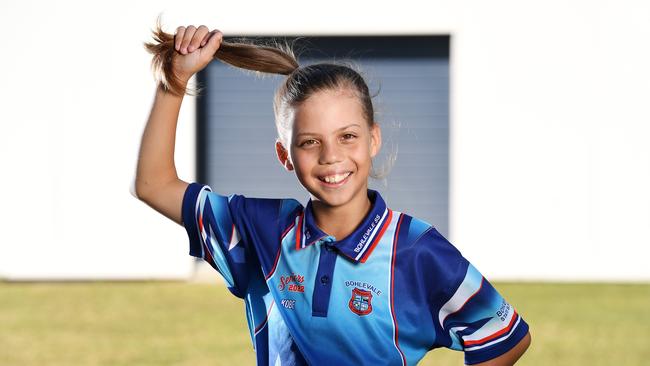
point(392, 292)
point(232, 234)
point(298, 233)
point(495, 335)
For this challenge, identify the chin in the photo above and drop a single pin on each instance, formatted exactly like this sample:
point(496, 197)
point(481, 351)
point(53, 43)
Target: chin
point(335, 196)
point(333, 199)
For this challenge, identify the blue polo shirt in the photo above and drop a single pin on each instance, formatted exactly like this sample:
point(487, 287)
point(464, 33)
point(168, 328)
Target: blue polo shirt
point(384, 295)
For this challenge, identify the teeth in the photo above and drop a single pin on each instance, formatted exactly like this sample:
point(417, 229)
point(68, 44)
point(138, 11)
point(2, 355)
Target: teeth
point(335, 178)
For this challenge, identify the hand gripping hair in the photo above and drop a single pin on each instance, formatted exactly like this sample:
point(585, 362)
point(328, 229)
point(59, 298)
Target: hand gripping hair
point(276, 59)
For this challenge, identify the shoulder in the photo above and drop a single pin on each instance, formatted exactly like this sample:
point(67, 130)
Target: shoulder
point(264, 207)
point(411, 230)
point(281, 209)
point(419, 236)
point(431, 257)
point(243, 209)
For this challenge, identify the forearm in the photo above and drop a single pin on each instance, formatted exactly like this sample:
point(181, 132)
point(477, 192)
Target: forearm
point(156, 157)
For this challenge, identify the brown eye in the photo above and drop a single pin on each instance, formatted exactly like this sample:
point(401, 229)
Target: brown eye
point(349, 136)
point(308, 142)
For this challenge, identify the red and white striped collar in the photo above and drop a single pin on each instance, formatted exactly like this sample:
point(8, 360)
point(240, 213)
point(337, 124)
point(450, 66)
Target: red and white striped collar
point(360, 243)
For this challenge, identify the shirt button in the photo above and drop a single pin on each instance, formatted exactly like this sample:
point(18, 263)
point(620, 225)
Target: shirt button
point(324, 279)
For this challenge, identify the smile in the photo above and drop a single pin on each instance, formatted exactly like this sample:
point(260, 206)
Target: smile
point(335, 180)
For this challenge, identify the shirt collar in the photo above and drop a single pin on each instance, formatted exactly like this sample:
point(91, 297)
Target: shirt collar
point(360, 243)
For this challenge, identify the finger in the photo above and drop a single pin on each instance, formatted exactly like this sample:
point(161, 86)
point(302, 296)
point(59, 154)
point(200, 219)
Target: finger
point(198, 37)
point(208, 37)
point(214, 42)
point(178, 37)
point(187, 37)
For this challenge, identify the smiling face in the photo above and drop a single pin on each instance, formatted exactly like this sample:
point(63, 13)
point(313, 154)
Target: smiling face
point(331, 148)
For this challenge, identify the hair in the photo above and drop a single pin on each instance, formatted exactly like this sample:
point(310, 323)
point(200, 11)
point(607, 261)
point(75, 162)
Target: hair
point(276, 58)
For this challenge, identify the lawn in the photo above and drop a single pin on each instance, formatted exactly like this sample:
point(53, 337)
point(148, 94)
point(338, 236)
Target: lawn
point(176, 323)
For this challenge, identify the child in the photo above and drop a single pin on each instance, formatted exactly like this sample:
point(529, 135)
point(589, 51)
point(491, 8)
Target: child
point(345, 279)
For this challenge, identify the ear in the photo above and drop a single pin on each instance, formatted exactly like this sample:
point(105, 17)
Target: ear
point(375, 139)
point(283, 156)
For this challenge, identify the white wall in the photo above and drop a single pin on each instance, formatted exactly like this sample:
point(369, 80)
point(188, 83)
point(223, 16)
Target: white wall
point(550, 130)
point(549, 170)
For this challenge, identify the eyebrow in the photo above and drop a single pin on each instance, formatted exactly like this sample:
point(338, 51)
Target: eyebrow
point(342, 128)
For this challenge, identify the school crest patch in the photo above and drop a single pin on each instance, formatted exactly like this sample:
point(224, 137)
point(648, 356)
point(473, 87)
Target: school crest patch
point(360, 302)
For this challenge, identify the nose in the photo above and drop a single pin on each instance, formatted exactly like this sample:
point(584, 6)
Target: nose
point(330, 153)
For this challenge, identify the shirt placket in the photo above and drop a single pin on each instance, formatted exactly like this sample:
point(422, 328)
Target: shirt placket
point(324, 275)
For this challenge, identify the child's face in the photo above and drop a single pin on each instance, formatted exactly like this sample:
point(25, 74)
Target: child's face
point(331, 140)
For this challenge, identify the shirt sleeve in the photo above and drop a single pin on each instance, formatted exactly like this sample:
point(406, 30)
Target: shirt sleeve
point(219, 231)
point(471, 315)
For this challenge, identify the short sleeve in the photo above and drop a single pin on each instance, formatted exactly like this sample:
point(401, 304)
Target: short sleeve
point(219, 232)
point(471, 315)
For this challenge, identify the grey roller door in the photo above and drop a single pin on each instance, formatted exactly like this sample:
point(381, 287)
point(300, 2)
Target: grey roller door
point(409, 74)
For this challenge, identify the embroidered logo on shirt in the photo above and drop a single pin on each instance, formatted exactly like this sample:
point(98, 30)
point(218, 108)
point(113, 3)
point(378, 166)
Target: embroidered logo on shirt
point(288, 303)
point(360, 302)
point(291, 282)
point(366, 235)
point(504, 310)
point(364, 285)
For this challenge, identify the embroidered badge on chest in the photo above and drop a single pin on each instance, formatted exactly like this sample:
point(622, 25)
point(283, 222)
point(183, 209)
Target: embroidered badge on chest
point(292, 282)
point(360, 302)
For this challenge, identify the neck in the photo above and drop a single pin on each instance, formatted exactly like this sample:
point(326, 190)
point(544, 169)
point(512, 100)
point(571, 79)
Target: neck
point(341, 221)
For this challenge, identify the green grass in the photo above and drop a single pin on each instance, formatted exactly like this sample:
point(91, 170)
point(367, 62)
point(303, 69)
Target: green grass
point(174, 323)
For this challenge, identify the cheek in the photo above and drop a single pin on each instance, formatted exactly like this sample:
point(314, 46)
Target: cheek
point(301, 161)
point(361, 156)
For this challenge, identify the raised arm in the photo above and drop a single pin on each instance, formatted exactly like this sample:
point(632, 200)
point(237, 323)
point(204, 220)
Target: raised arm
point(156, 181)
